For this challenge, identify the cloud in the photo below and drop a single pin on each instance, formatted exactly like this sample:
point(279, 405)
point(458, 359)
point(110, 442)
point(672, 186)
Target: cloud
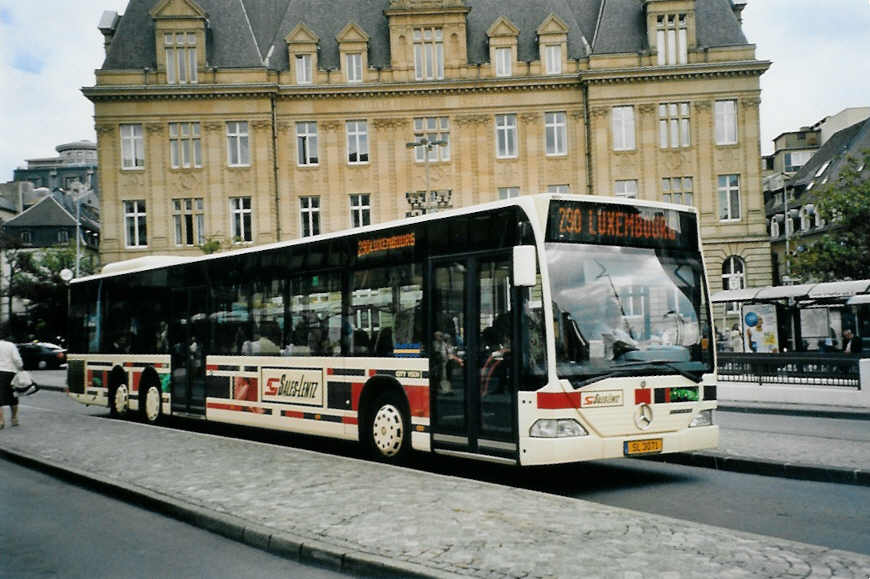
point(27, 62)
point(5, 16)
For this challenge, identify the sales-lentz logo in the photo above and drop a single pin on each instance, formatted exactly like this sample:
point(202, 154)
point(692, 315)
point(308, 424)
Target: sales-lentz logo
point(292, 386)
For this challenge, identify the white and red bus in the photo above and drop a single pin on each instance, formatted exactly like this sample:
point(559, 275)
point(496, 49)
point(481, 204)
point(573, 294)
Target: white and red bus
point(537, 330)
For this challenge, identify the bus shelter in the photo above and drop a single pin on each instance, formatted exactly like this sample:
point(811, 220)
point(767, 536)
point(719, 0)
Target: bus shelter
point(795, 318)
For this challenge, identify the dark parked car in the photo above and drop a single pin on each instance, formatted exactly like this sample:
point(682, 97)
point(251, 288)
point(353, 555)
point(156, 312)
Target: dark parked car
point(41, 355)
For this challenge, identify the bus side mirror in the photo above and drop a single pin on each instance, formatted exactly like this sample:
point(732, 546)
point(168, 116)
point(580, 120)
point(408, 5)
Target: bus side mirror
point(525, 266)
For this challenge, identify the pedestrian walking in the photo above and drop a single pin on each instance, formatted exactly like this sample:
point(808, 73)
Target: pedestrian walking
point(10, 364)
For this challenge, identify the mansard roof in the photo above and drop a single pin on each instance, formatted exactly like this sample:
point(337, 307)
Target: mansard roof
point(827, 163)
point(251, 33)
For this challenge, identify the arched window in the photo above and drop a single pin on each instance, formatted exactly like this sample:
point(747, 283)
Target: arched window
point(774, 226)
point(733, 278)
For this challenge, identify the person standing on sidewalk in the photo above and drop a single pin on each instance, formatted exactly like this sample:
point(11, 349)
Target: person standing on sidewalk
point(10, 364)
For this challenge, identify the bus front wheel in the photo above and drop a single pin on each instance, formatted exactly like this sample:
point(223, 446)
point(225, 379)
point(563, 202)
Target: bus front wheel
point(388, 428)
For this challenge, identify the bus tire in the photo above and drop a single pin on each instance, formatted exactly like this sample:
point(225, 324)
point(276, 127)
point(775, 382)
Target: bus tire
point(119, 401)
point(151, 403)
point(387, 429)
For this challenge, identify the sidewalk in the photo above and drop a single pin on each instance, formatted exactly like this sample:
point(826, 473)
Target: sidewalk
point(364, 517)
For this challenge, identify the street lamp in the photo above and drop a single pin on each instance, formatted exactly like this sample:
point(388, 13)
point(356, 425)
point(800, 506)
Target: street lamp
point(428, 144)
point(78, 201)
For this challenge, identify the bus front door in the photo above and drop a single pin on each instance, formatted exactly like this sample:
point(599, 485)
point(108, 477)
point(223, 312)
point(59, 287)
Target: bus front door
point(188, 332)
point(471, 373)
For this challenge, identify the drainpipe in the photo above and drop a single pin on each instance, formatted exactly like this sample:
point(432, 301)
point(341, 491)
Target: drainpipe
point(584, 87)
point(275, 169)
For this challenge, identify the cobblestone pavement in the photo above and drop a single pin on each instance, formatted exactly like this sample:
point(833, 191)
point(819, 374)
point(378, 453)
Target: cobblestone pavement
point(364, 516)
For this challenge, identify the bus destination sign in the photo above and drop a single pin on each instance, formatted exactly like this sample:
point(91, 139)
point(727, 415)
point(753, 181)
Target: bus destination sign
point(624, 225)
point(367, 247)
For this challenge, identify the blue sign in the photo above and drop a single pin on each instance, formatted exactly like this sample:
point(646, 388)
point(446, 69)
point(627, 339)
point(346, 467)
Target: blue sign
point(751, 319)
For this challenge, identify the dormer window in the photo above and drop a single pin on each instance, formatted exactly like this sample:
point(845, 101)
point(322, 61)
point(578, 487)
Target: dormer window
point(553, 58)
point(353, 67)
point(504, 58)
point(304, 64)
point(672, 38)
point(428, 53)
point(180, 50)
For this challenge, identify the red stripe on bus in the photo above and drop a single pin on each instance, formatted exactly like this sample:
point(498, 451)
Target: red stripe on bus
point(134, 386)
point(350, 420)
point(418, 400)
point(209, 367)
point(292, 414)
point(557, 400)
point(667, 394)
point(330, 371)
point(128, 364)
point(223, 406)
point(643, 396)
point(355, 391)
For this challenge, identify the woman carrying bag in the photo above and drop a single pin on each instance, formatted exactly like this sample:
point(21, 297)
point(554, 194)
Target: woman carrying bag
point(10, 364)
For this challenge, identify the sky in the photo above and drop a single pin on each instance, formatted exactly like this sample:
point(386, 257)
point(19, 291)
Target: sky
point(49, 49)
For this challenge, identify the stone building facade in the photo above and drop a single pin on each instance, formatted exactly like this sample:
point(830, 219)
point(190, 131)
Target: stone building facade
point(248, 122)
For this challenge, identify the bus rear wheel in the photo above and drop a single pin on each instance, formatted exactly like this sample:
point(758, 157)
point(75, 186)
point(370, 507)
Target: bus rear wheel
point(150, 403)
point(388, 428)
point(119, 401)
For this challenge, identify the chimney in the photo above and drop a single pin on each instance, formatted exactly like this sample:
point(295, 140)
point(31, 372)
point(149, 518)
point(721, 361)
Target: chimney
point(108, 24)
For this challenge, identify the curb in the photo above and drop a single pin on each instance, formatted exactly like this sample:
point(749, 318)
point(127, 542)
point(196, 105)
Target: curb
point(286, 545)
point(813, 411)
point(763, 467)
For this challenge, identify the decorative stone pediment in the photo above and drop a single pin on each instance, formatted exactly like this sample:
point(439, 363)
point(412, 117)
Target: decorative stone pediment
point(175, 9)
point(352, 33)
point(301, 35)
point(552, 25)
point(502, 27)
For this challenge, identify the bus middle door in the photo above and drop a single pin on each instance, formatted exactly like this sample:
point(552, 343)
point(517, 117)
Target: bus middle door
point(188, 335)
point(472, 382)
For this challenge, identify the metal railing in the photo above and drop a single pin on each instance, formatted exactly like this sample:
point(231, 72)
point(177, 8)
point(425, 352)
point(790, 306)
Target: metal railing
point(797, 368)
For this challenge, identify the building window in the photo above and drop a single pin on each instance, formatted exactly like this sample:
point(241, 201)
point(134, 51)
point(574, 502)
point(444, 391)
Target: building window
point(428, 54)
point(672, 39)
point(729, 197)
point(357, 142)
point(185, 148)
point(309, 214)
point(678, 190)
point(674, 125)
point(240, 214)
point(807, 215)
point(625, 188)
point(136, 231)
point(504, 58)
point(132, 147)
point(733, 278)
point(306, 144)
point(353, 67)
point(794, 160)
point(553, 56)
point(189, 221)
point(558, 188)
point(360, 210)
point(434, 129)
point(557, 133)
point(238, 150)
point(506, 136)
point(303, 69)
point(774, 226)
point(25, 236)
point(508, 192)
point(623, 128)
point(63, 236)
point(726, 122)
point(180, 57)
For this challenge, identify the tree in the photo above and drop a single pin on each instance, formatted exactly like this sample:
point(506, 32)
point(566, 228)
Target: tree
point(35, 280)
point(843, 252)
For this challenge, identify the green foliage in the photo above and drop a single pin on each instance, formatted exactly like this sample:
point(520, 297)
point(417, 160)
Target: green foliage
point(36, 281)
point(211, 245)
point(843, 252)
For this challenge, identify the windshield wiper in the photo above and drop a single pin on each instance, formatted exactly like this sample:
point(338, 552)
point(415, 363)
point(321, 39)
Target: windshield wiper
point(696, 378)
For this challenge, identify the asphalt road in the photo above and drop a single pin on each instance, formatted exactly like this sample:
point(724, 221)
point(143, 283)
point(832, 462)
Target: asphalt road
point(825, 514)
point(49, 528)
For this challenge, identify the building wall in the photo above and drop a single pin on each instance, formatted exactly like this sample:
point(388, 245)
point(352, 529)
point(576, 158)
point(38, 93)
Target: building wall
point(470, 96)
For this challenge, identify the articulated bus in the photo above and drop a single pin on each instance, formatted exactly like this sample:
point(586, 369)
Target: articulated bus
point(537, 330)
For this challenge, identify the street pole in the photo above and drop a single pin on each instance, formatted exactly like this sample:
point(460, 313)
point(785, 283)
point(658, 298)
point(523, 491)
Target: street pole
point(787, 236)
point(428, 145)
point(78, 232)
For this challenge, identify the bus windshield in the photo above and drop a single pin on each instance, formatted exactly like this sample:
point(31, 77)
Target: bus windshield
point(628, 310)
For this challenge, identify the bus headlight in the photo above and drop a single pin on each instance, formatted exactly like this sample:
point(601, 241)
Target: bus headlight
point(703, 418)
point(556, 428)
